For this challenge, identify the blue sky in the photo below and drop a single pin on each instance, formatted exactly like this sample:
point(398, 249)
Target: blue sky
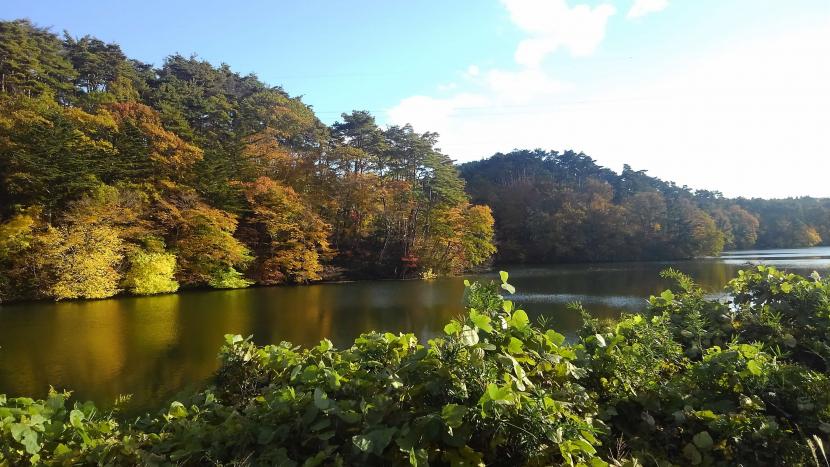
point(730, 95)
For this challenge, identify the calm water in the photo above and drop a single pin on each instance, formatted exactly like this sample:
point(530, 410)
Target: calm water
point(155, 347)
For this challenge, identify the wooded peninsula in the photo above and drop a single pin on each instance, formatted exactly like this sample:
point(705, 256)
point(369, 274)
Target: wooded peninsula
point(118, 176)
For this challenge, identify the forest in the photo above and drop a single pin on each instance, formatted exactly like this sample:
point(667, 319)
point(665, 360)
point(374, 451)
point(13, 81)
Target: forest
point(121, 177)
point(117, 176)
point(551, 206)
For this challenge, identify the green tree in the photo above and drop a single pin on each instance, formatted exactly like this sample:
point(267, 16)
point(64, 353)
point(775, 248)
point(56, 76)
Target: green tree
point(32, 61)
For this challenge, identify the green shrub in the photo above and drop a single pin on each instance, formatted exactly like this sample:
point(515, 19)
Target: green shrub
point(228, 278)
point(705, 381)
point(692, 381)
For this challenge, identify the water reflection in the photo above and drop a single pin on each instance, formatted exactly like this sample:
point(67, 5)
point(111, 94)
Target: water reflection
point(154, 347)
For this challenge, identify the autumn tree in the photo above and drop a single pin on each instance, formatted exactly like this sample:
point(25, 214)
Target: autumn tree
point(202, 238)
point(151, 271)
point(290, 240)
point(82, 260)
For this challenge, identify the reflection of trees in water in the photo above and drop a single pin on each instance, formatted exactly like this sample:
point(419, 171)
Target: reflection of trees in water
point(75, 345)
point(153, 347)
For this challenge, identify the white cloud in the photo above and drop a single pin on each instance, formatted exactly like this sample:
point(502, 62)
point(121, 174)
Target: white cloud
point(500, 93)
point(519, 87)
point(428, 113)
point(552, 24)
point(746, 118)
point(644, 7)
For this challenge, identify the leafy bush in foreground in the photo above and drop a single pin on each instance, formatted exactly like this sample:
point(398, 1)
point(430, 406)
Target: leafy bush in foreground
point(692, 381)
point(714, 382)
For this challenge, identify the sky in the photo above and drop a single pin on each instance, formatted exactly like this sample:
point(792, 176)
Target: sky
point(727, 95)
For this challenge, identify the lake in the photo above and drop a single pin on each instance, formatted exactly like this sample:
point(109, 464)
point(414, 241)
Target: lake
point(156, 347)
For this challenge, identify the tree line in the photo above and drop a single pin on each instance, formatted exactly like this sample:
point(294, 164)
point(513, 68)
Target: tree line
point(551, 206)
point(120, 176)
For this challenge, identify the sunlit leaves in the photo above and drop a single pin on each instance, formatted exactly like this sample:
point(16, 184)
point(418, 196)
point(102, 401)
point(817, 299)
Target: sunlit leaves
point(143, 131)
point(177, 410)
point(241, 182)
point(469, 336)
point(519, 320)
point(296, 239)
point(515, 346)
point(150, 272)
point(481, 321)
point(478, 393)
point(453, 327)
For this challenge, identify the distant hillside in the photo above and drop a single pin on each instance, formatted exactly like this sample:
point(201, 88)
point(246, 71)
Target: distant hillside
point(552, 206)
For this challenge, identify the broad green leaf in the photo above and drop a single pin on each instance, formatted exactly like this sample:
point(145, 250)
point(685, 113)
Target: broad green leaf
point(321, 400)
point(469, 336)
point(585, 446)
point(76, 417)
point(55, 401)
point(177, 410)
point(508, 288)
point(519, 320)
point(453, 327)
point(748, 351)
point(37, 419)
point(703, 440)
point(453, 415)
point(554, 337)
point(29, 441)
point(232, 339)
point(17, 430)
point(374, 441)
point(691, 453)
point(349, 416)
point(325, 345)
point(753, 367)
point(503, 275)
point(498, 394)
point(481, 321)
point(61, 450)
point(515, 346)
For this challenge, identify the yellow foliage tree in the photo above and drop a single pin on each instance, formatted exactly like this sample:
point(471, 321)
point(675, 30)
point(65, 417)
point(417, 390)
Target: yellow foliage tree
point(294, 238)
point(81, 259)
point(477, 237)
point(151, 272)
point(202, 237)
point(16, 237)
